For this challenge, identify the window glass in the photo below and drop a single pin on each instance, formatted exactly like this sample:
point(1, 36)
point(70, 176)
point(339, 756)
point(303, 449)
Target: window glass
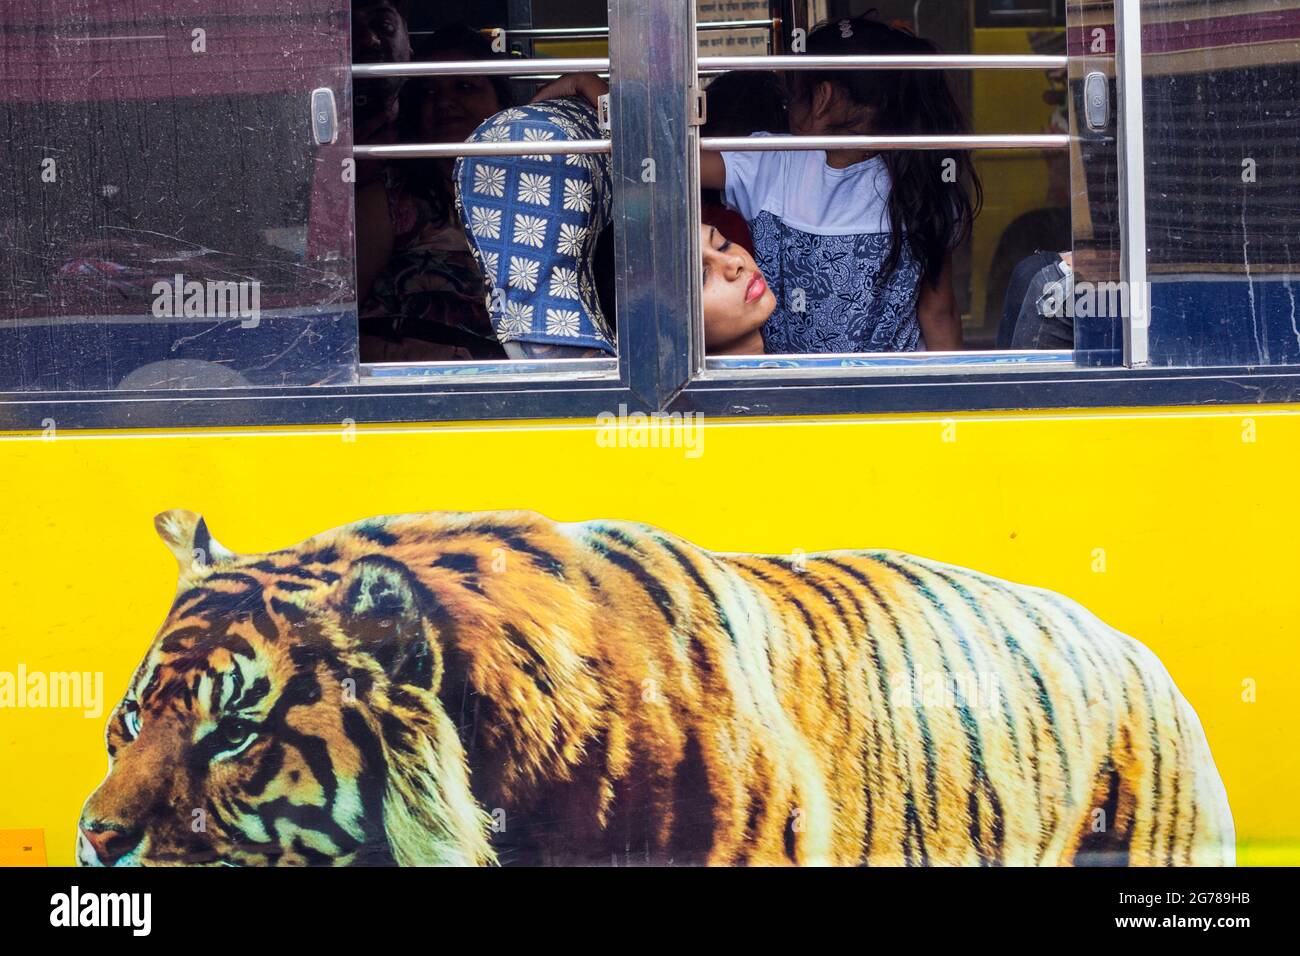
point(1020, 12)
point(1221, 83)
point(168, 218)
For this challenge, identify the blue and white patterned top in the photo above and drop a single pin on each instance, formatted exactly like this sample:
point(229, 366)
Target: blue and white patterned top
point(533, 222)
point(821, 237)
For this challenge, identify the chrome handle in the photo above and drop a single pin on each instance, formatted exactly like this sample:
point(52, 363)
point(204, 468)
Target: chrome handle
point(324, 117)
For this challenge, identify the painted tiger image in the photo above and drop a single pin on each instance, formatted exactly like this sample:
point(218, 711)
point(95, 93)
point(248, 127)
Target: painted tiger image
point(500, 688)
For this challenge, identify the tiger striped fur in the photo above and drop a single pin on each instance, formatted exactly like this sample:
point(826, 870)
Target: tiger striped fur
point(498, 687)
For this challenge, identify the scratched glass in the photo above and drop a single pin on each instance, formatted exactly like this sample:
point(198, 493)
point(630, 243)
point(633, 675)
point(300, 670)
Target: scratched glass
point(168, 219)
point(1222, 124)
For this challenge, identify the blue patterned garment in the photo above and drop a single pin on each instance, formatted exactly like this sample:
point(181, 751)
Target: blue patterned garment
point(533, 222)
point(821, 237)
point(846, 306)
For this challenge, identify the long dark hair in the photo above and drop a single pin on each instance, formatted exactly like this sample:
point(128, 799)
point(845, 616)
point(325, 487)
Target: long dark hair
point(468, 44)
point(930, 213)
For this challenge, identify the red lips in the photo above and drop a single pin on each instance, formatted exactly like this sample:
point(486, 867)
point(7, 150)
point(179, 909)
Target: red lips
point(754, 291)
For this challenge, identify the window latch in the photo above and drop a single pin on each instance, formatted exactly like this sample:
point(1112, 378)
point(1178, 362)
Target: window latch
point(1096, 101)
point(697, 105)
point(602, 113)
point(324, 117)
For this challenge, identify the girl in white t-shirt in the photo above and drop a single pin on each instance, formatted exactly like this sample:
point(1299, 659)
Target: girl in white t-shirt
point(857, 246)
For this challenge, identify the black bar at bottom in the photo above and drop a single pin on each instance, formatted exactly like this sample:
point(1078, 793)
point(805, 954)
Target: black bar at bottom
point(245, 910)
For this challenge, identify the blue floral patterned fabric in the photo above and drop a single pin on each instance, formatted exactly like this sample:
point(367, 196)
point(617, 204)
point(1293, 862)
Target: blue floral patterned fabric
point(533, 221)
point(830, 294)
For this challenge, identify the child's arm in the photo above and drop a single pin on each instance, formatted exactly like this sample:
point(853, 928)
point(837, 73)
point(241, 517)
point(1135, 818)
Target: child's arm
point(587, 85)
point(713, 171)
point(936, 308)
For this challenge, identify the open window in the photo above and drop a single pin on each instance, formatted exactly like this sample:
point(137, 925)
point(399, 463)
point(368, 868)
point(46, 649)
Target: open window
point(573, 204)
point(844, 294)
point(1128, 137)
point(183, 237)
point(485, 234)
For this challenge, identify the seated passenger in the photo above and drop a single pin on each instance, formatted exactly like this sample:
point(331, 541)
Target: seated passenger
point(418, 283)
point(533, 222)
point(1034, 315)
point(737, 301)
point(858, 245)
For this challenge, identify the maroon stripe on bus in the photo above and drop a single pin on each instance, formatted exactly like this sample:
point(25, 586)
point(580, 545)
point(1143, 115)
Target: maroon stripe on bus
point(1178, 36)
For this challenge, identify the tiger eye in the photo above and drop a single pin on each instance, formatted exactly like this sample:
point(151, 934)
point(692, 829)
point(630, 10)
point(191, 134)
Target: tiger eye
point(236, 731)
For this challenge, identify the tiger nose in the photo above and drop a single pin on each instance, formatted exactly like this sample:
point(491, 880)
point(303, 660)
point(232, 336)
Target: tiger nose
point(110, 842)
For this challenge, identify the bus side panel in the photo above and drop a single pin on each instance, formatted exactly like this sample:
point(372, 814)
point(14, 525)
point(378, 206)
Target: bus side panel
point(1197, 565)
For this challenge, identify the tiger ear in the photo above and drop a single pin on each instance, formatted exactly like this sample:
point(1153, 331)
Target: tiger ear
point(382, 611)
point(187, 537)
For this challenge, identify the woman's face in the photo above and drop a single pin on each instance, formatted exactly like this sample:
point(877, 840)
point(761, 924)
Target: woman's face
point(455, 106)
point(737, 300)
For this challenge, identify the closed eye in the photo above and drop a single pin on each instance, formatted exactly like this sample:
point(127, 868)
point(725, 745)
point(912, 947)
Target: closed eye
point(714, 236)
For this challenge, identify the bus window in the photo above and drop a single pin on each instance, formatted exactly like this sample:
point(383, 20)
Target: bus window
point(206, 206)
point(1013, 232)
point(1221, 89)
point(162, 169)
point(491, 257)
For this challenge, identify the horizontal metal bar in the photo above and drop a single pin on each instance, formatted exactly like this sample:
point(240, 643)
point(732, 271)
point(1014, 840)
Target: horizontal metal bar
point(529, 147)
point(547, 76)
point(927, 61)
point(556, 33)
point(570, 32)
point(523, 372)
point(996, 141)
point(504, 67)
point(566, 147)
point(732, 24)
point(722, 368)
point(518, 65)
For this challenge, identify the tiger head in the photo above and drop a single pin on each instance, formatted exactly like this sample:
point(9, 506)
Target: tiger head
point(287, 713)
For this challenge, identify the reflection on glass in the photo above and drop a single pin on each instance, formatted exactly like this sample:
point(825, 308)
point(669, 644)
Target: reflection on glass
point(155, 230)
point(1221, 94)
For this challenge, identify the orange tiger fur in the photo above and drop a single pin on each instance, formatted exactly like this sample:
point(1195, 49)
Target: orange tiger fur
point(527, 691)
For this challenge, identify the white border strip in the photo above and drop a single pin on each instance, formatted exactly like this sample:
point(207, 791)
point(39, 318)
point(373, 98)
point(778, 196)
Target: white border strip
point(1132, 181)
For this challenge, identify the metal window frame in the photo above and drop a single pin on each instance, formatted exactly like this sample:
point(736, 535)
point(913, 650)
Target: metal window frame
point(1132, 180)
point(859, 384)
point(650, 284)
